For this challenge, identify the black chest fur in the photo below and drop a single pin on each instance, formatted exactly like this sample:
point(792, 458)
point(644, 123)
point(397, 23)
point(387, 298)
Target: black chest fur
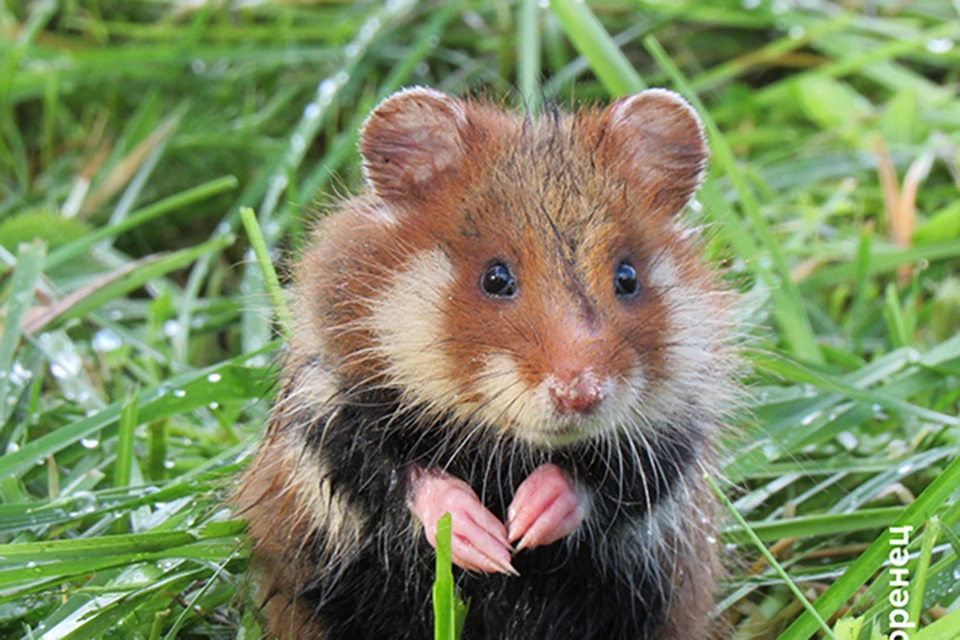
point(583, 587)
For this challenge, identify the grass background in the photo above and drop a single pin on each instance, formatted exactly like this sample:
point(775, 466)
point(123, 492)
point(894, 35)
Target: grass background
point(138, 337)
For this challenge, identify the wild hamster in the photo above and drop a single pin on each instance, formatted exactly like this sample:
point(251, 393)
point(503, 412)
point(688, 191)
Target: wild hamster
point(512, 323)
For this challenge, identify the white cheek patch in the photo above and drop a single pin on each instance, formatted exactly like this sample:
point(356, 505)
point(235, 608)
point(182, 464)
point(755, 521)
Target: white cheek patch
point(506, 399)
point(407, 320)
point(694, 342)
point(684, 312)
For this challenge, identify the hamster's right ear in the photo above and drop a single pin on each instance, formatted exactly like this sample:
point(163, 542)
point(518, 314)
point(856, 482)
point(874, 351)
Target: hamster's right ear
point(410, 141)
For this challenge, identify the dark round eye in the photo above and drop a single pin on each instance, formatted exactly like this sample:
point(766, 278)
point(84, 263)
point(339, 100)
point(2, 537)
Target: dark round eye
point(498, 281)
point(625, 280)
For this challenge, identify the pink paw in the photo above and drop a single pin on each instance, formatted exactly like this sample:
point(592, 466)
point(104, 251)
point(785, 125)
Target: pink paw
point(545, 508)
point(479, 541)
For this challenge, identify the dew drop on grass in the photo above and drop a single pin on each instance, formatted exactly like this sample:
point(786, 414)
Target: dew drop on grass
point(214, 377)
point(905, 469)
point(18, 373)
point(939, 45)
point(89, 443)
point(780, 6)
point(214, 405)
point(171, 328)
point(168, 464)
point(105, 341)
point(750, 4)
point(297, 143)
point(179, 393)
point(12, 447)
point(311, 111)
point(325, 91)
point(847, 440)
point(808, 419)
point(66, 365)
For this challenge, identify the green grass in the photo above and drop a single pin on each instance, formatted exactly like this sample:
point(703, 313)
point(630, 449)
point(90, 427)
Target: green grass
point(139, 331)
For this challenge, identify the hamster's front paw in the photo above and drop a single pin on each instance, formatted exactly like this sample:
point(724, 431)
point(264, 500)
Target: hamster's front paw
point(545, 508)
point(479, 540)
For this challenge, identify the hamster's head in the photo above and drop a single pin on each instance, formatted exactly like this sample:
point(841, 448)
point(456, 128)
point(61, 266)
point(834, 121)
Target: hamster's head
point(531, 275)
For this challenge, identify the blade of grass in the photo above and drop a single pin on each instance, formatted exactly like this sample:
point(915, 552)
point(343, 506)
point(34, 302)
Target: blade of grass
point(593, 42)
point(943, 629)
point(20, 294)
point(918, 581)
point(125, 441)
point(816, 525)
point(167, 205)
point(443, 589)
point(769, 556)
point(870, 560)
point(190, 391)
point(528, 68)
point(259, 247)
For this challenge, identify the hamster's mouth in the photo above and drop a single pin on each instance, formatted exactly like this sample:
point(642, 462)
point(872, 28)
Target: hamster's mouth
point(565, 430)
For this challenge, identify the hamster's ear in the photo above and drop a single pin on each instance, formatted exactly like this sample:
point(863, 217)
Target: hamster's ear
point(658, 141)
point(410, 140)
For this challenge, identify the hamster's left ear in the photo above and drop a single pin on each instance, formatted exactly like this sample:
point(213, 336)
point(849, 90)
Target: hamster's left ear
point(658, 142)
point(412, 142)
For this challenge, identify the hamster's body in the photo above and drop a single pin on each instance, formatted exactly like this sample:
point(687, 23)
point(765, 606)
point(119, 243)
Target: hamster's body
point(512, 325)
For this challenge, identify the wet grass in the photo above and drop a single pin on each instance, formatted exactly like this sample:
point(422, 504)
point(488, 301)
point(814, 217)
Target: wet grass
point(138, 328)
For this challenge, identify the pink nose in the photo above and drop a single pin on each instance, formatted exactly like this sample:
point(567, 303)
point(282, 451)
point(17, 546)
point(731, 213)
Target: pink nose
point(581, 394)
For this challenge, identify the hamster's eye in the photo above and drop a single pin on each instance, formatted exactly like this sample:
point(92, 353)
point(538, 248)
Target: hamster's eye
point(497, 281)
point(625, 281)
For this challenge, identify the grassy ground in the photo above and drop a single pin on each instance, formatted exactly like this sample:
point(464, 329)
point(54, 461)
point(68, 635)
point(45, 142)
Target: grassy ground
point(135, 359)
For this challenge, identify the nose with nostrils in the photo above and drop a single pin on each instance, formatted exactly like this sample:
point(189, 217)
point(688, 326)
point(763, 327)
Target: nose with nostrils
point(577, 383)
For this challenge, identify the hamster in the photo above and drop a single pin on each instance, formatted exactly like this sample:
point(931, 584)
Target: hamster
point(512, 323)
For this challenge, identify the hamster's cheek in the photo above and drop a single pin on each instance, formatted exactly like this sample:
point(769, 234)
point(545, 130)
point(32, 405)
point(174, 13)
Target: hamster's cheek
point(407, 319)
